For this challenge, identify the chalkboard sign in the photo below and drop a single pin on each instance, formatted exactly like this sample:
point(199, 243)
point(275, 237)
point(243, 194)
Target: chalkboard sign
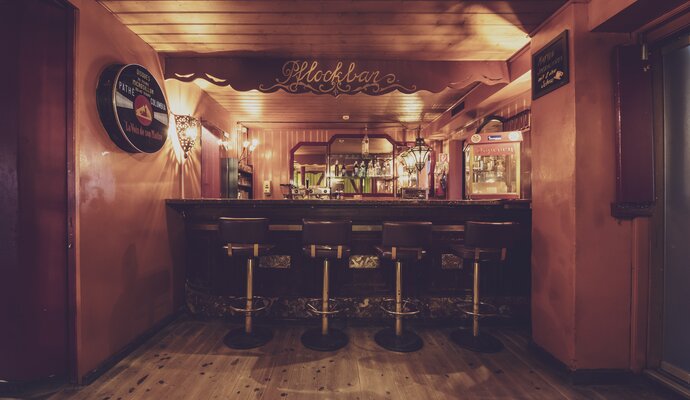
point(550, 66)
point(132, 108)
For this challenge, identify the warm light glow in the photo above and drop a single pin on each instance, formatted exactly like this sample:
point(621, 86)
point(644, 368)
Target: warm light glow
point(515, 136)
point(411, 107)
point(227, 141)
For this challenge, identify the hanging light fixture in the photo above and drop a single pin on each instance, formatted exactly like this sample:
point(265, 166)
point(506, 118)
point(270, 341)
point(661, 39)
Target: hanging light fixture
point(187, 129)
point(419, 152)
point(365, 143)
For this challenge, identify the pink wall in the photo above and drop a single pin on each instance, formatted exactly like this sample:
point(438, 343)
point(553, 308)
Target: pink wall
point(124, 259)
point(580, 255)
point(603, 281)
point(129, 274)
point(455, 171)
point(271, 159)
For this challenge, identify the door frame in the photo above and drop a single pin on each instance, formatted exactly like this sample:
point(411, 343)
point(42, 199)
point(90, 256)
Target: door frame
point(72, 216)
point(656, 278)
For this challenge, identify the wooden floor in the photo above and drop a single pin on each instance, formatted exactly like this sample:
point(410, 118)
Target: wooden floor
point(188, 360)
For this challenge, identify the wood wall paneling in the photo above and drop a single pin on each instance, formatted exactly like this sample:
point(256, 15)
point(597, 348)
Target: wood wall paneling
point(33, 287)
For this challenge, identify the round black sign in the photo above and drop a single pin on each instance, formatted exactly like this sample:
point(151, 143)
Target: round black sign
point(132, 108)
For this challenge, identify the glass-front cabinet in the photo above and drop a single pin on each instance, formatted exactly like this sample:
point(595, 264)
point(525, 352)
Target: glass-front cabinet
point(361, 165)
point(492, 166)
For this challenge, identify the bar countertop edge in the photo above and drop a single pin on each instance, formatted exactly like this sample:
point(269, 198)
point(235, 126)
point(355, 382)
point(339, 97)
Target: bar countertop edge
point(183, 203)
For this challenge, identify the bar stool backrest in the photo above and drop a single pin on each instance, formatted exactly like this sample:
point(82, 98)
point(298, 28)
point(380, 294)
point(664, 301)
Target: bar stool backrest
point(490, 235)
point(243, 230)
point(407, 234)
point(320, 232)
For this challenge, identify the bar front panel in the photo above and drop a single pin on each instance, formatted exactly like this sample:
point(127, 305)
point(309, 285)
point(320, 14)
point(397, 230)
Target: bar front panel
point(287, 276)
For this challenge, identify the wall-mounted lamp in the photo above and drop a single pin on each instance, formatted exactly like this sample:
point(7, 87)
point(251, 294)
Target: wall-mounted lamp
point(225, 141)
point(187, 128)
point(248, 146)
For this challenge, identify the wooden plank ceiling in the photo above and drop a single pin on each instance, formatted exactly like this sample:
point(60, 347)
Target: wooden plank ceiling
point(307, 110)
point(344, 29)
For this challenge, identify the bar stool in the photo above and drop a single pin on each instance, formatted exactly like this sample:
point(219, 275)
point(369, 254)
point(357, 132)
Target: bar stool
point(325, 240)
point(246, 238)
point(402, 241)
point(484, 242)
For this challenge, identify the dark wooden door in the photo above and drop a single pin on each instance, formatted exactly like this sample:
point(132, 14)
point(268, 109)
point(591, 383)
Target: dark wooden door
point(35, 41)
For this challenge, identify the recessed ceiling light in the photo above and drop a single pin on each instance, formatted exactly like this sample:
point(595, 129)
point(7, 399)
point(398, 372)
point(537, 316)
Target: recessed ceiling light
point(346, 117)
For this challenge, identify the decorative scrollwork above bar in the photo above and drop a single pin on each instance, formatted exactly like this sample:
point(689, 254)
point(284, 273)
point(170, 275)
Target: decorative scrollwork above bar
point(299, 76)
point(335, 77)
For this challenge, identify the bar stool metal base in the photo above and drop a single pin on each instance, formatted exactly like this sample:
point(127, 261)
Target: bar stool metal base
point(483, 343)
point(239, 339)
point(405, 343)
point(315, 340)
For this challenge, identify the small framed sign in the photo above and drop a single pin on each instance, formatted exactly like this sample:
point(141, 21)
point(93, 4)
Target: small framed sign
point(132, 108)
point(550, 66)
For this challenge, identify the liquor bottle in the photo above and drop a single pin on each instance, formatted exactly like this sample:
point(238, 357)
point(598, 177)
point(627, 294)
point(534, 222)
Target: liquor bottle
point(356, 170)
point(336, 169)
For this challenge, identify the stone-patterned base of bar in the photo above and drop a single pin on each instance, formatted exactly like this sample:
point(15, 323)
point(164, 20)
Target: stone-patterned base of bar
point(510, 309)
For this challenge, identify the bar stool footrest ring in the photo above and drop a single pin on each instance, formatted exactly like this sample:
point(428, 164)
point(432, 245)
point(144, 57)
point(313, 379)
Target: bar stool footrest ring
point(409, 307)
point(485, 309)
point(239, 304)
point(314, 306)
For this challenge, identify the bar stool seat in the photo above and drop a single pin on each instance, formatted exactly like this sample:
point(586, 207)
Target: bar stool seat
point(484, 242)
point(401, 253)
point(402, 241)
point(248, 250)
point(475, 253)
point(326, 240)
point(246, 238)
point(326, 251)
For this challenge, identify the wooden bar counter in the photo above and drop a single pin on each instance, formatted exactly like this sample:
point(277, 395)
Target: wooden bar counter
point(289, 278)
